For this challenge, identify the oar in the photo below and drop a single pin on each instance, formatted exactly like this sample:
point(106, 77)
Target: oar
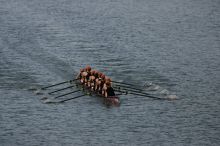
point(61, 89)
point(132, 89)
point(69, 81)
point(66, 94)
point(127, 84)
point(140, 94)
point(122, 93)
point(71, 98)
point(145, 95)
point(171, 97)
point(48, 101)
point(122, 83)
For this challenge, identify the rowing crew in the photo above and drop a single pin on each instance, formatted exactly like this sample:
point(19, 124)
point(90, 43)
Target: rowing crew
point(96, 81)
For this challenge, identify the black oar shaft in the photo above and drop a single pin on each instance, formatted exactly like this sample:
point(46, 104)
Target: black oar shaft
point(71, 98)
point(66, 94)
point(119, 86)
point(145, 95)
point(58, 84)
point(139, 94)
point(60, 90)
point(55, 85)
point(122, 83)
point(131, 89)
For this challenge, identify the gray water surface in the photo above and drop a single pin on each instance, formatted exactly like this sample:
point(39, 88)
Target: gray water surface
point(173, 44)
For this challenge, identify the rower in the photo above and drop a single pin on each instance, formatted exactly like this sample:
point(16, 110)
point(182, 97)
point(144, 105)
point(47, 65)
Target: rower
point(83, 77)
point(87, 74)
point(108, 91)
point(98, 81)
point(79, 76)
point(96, 74)
point(91, 81)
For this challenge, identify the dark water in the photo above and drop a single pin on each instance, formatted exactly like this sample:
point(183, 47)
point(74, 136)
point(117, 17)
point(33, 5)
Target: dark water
point(173, 44)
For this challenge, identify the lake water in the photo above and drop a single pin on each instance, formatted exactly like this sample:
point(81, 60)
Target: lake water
point(175, 45)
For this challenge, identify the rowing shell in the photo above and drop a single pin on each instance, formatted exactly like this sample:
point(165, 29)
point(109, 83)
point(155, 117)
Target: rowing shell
point(113, 100)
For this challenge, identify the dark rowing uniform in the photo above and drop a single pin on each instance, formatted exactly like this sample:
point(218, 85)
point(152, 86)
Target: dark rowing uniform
point(110, 91)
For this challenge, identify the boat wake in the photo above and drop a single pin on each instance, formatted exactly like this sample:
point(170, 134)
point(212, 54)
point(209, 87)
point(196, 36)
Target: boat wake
point(35, 90)
point(32, 88)
point(159, 91)
point(38, 92)
point(47, 100)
